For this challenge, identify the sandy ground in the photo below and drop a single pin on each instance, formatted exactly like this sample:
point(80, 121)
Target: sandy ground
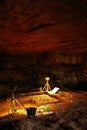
point(44, 103)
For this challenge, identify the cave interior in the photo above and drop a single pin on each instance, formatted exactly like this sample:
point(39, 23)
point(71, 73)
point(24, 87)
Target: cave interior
point(41, 39)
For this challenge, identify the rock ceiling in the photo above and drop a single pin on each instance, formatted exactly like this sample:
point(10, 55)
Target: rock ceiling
point(31, 26)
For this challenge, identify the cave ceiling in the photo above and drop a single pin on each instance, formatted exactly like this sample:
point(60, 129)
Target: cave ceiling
point(37, 26)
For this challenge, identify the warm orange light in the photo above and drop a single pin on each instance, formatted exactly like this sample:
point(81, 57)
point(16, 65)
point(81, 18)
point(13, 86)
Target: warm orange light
point(21, 112)
point(47, 78)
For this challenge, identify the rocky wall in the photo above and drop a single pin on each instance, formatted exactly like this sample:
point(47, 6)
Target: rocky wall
point(28, 73)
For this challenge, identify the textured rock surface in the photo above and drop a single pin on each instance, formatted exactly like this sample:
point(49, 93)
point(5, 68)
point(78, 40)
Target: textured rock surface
point(36, 26)
point(40, 38)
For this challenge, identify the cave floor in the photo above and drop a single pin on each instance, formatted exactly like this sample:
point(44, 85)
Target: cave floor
point(44, 103)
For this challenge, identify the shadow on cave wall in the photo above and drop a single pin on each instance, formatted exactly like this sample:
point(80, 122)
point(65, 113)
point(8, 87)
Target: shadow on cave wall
point(66, 77)
point(28, 74)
